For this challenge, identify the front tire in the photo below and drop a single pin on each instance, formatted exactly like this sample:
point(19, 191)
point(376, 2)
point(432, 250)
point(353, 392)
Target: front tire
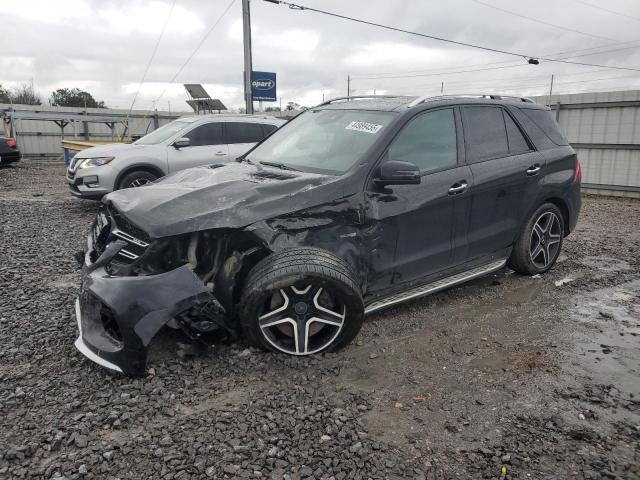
point(138, 178)
point(301, 301)
point(538, 245)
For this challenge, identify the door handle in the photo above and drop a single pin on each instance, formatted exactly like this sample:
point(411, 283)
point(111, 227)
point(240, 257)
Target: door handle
point(220, 154)
point(533, 170)
point(458, 187)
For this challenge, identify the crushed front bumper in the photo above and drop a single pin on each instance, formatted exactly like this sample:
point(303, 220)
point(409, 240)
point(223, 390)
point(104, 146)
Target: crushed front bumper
point(118, 316)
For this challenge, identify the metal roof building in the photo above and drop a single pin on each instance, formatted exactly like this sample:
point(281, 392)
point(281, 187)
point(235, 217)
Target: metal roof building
point(604, 129)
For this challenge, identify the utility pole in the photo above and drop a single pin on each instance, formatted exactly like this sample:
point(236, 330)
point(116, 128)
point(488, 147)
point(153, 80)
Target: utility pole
point(550, 92)
point(348, 85)
point(441, 88)
point(246, 30)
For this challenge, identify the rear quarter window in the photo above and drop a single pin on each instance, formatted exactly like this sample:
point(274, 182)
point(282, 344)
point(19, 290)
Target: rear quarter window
point(545, 121)
point(268, 129)
point(517, 142)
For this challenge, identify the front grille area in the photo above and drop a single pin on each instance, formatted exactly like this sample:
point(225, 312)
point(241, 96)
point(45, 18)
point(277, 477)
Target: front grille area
point(109, 226)
point(137, 240)
point(126, 226)
point(100, 232)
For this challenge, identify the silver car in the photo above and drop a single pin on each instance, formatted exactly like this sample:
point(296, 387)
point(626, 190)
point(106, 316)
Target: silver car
point(184, 143)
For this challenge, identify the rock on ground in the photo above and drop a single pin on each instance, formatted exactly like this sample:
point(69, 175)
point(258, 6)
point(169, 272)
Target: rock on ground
point(505, 374)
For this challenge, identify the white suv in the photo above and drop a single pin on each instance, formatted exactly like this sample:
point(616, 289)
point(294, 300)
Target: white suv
point(184, 143)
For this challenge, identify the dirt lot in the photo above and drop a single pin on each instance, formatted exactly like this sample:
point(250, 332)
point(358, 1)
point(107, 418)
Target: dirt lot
point(505, 377)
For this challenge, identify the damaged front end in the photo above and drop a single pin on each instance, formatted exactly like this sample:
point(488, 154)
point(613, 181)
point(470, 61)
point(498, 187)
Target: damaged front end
point(132, 286)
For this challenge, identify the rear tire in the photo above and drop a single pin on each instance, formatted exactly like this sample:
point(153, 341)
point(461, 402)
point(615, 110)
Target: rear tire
point(540, 241)
point(137, 178)
point(301, 301)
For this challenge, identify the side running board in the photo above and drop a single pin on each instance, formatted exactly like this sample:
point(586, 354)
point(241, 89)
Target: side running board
point(435, 286)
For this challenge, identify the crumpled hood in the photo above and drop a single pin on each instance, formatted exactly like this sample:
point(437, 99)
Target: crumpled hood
point(233, 195)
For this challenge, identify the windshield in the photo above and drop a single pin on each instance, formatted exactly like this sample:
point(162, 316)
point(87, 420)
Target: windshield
point(323, 141)
point(163, 133)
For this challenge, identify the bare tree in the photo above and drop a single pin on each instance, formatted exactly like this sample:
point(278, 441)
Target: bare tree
point(25, 94)
point(5, 96)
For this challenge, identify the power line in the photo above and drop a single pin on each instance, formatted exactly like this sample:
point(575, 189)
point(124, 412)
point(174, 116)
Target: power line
point(153, 54)
point(506, 64)
point(560, 27)
point(410, 72)
point(598, 7)
point(200, 43)
point(593, 48)
point(503, 87)
point(382, 76)
point(595, 79)
point(441, 73)
point(493, 82)
point(530, 58)
point(569, 62)
point(294, 6)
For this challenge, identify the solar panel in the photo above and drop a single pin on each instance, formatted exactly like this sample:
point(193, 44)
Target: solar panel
point(206, 104)
point(196, 90)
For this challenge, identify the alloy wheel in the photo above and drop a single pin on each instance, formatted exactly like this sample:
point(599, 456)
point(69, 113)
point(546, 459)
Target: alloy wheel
point(545, 240)
point(302, 321)
point(139, 182)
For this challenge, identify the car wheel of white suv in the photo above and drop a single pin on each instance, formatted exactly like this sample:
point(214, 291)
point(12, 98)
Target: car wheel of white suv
point(135, 179)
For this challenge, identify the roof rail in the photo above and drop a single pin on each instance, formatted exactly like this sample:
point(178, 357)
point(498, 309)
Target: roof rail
point(356, 97)
point(424, 98)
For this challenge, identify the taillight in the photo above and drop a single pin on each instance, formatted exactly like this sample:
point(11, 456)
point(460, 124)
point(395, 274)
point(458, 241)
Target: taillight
point(11, 143)
point(577, 178)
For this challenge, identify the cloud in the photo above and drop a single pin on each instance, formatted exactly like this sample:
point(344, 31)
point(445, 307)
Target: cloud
point(148, 17)
point(394, 55)
point(45, 11)
point(104, 46)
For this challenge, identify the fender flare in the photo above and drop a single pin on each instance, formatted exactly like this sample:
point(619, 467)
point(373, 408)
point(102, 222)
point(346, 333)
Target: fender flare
point(558, 201)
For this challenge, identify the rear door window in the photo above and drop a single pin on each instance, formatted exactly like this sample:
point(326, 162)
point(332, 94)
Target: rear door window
point(485, 133)
point(517, 142)
point(428, 141)
point(207, 134)
point(244, 132)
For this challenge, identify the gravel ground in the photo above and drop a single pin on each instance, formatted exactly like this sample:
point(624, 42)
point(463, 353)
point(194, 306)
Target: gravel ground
point(505, 377)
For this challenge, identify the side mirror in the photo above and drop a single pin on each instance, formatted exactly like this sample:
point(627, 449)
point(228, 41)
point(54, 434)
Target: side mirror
point(397, 172)
point(182, 142)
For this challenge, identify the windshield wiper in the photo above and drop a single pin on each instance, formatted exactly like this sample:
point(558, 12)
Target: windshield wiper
point(279, 165)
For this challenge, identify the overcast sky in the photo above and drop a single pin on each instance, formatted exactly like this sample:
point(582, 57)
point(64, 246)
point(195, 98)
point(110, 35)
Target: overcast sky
point(103, 46)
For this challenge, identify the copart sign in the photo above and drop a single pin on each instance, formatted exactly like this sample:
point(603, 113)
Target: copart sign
point(263, 86)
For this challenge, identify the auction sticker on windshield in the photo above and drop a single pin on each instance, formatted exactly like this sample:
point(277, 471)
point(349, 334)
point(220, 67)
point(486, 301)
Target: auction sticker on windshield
point(363, 127)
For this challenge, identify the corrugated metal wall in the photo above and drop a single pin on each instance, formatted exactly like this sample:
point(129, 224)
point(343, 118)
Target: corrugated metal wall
point(604, 129)
point(41, 138)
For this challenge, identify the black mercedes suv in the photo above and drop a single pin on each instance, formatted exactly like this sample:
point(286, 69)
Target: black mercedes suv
point(355, 205)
